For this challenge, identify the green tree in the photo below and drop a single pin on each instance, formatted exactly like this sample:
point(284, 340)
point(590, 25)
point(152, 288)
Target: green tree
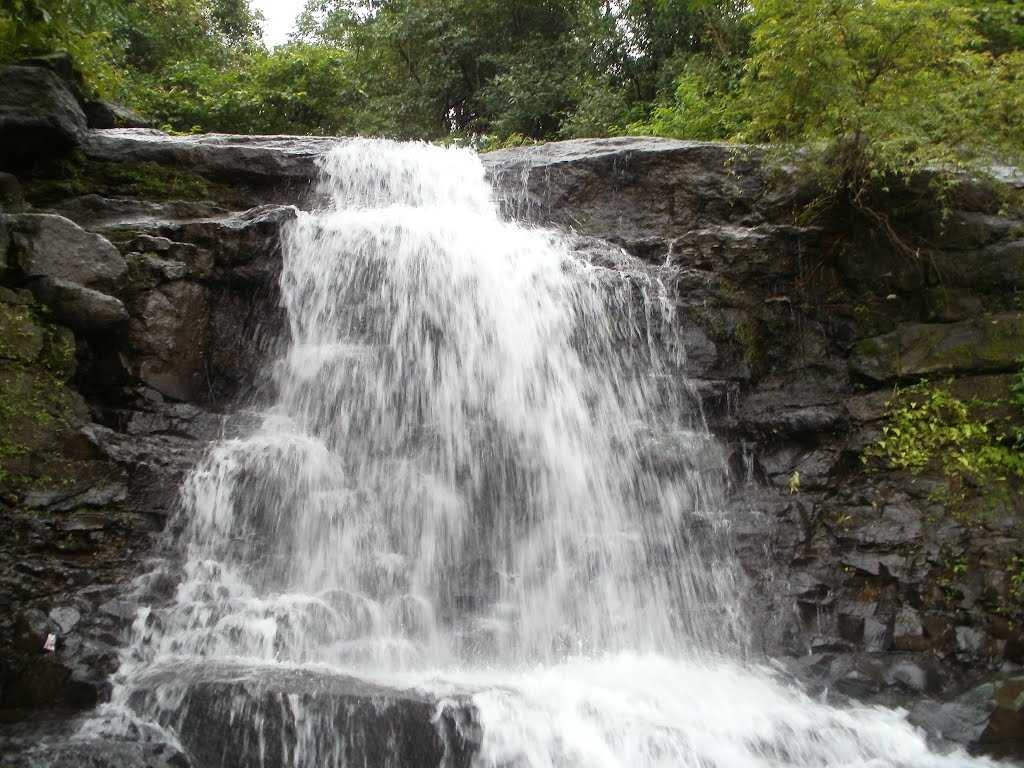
point(879, 88)
point(81, 27)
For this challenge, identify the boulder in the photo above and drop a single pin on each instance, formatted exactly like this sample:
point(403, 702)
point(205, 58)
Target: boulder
point(989, 717)
point(82, 309)
point(46, 245)
point(988, 344)
point(908, 631)
point(248, 242)
point(259, 159)
point(38, 115)
point(232, 715)
point(968, 230)
point(103, 115)
point(995, 269)
point(64, 67)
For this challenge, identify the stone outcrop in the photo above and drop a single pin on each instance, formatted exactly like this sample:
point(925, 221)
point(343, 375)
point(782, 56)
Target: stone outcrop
point(984, 344)
point(258, 710)
point(260, 159)
point(45, 245)
point(81, 309)
point(104, 115)
point(38, 115)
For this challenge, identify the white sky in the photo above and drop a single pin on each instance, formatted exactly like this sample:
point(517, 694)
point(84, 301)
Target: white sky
point(280, 18)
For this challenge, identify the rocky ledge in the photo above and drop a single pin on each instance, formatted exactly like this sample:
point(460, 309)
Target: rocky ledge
point(139, 312)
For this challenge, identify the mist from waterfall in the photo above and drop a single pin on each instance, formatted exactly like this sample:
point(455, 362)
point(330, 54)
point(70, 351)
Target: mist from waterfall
point(485, 474)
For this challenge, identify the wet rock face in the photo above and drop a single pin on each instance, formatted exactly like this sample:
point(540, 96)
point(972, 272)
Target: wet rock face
point(641, 193)
point(268, 159)
point(38, 115)
point(236, 716)
point(984, 344)
point(104, 115)
point(127, 329)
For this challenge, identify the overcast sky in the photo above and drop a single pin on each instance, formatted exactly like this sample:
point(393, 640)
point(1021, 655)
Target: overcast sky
point(280, 18)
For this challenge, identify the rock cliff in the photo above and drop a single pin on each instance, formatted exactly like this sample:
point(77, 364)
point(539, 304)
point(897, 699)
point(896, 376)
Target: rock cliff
point(139, 315)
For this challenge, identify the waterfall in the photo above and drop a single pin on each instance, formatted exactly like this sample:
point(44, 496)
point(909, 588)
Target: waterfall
point(485, 475)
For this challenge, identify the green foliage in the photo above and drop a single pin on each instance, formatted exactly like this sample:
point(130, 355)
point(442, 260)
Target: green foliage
point(705, 104)
point(111, 38)
point(927, 427)
point(1016, 572)
point(80, 27)
point(880, 88)
point(297, 88)
point(1017, 387)
point(1000, 23)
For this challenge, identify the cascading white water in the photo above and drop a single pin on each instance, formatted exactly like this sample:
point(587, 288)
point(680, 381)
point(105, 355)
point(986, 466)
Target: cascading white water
point(484, 474)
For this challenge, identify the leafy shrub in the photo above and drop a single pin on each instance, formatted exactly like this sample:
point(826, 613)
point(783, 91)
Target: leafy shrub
point(928, 427)
point(876, 89)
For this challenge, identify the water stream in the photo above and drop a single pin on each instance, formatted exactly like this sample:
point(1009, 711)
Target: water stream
point(485, 476)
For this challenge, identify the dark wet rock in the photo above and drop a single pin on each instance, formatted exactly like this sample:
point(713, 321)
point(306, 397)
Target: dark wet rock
point(66, 618)
point(115, 215)
point(38, 115)
point(743, 253)
point(168, 334)
point(970, 230)
point(55, 741)
point(247, 242)
point(46, 245)
point(989, 717)
point(104, 115)
point(908, 631)
point(229, 715)
point(12, 200)
point(67, 498)
point(909, 676)
point(82, 309)
point(983, 345)
point(970, 641)
point(262, 159)
point(639, 192)
point(5, 243)
point(63, 66)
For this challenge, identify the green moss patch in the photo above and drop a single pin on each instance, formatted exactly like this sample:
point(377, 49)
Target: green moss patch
point(37, 408)
point(79, 176)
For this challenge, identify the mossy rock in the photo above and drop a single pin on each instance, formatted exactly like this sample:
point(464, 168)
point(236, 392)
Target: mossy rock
point(38, 417)
point(29, 337)
point(988, 344)
point(79, 176)
point(21, 337)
